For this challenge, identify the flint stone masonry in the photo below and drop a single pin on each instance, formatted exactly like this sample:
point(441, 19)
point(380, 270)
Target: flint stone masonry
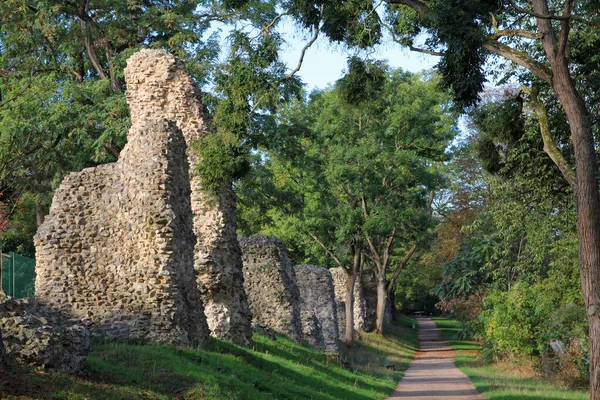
point(159, 87)
point(117, 249)
point(368, 281)
point(318, 312)
point(340, 278)
point(35, 338)
point(270, 283)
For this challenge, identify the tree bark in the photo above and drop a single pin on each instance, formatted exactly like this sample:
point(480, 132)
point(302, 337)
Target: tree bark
point(587, 196)
point(356, 261)
point(39, 213)
point(382, 296)
point(349, 334)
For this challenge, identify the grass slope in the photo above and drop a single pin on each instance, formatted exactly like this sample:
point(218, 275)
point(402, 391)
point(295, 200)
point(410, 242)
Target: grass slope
point(507, 380)
point(278, 369)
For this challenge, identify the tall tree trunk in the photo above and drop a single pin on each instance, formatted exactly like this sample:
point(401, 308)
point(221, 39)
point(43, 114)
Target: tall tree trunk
point(381, 303)
point(587, 196)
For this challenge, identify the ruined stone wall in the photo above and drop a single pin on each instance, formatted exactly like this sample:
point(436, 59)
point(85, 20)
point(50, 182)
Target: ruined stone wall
point(318, 312)
point(340, 278)
point(270, 283)
point(158, 87)
point(117, 249)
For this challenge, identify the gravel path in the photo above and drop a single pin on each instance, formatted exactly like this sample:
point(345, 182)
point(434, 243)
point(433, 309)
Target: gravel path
point(432, 375)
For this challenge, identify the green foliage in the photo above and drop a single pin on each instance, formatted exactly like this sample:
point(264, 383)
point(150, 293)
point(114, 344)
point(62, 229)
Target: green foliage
point(513, 321)
point(222, 162)
point(21, 226)
point(363, 82)
point(353, 169)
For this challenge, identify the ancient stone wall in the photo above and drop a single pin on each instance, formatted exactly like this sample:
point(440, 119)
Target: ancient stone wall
point(33, 337)
point(117, 249)
point(318, 312)
point(158, 87)
point(270, 283)
point(340, 278)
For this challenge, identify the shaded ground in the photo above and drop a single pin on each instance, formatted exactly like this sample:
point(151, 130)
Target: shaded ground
point(432, 374)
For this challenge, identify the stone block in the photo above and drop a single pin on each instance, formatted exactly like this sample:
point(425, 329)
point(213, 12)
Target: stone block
point(318, 312)
point(270, 283)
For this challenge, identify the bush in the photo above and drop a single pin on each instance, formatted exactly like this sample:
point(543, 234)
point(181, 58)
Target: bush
point(514, 322)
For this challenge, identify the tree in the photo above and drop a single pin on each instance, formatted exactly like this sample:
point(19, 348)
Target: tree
point(362, 178)
point(547, 39)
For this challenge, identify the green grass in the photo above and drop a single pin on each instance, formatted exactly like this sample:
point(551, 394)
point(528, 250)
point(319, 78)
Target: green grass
point(507, 380)
point(278, 369)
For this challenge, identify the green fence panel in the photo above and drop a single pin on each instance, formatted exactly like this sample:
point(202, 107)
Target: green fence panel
point(24, 276)
point(6, 274)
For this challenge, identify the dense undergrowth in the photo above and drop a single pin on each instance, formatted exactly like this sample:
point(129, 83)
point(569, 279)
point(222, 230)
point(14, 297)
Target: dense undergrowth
point(517, 378)
point(279, 369)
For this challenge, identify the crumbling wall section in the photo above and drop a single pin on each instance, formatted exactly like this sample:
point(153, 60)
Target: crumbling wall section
point(159, 87)
point(318, 312)
point(270, 283)
point(35, 338)
point(117, 249)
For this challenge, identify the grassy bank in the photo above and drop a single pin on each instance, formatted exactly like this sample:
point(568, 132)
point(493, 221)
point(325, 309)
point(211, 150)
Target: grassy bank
point(278, 369)
point(506, 380)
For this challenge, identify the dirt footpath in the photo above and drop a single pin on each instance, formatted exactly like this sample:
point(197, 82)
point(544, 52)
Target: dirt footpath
point(432, 375)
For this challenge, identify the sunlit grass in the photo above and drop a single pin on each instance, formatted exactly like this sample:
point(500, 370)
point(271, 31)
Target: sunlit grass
point(278, 369)
point(506, 380)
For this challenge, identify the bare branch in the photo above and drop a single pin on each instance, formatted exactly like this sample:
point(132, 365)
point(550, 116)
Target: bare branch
point(312, 40)
point(410, 46)
point(425, 51)
point(267, 27)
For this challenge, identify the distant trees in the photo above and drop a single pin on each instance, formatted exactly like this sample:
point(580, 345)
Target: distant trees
point(355, 181)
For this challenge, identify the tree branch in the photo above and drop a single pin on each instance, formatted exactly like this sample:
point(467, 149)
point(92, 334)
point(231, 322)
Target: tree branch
point(425, 51)
point(410, 46)
point(550, 147)
point(565, 28)
point(304, 49)
point(562, 17)
point(537, 68)
point(329, 252)
point(400, 267)
point(266, 28)
point(514, 32)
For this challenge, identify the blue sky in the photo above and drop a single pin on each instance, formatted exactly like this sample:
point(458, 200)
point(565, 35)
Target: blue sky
point(324, 63)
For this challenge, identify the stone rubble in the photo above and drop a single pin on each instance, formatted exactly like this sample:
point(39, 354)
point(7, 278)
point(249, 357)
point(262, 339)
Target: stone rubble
point(270, 283)
point(318, 312)
point(36, 338)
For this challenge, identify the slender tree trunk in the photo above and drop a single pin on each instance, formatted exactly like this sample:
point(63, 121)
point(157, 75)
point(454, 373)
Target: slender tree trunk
point(381, 303)
point(39, 213)
point(349, 334)
point(351, 282)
